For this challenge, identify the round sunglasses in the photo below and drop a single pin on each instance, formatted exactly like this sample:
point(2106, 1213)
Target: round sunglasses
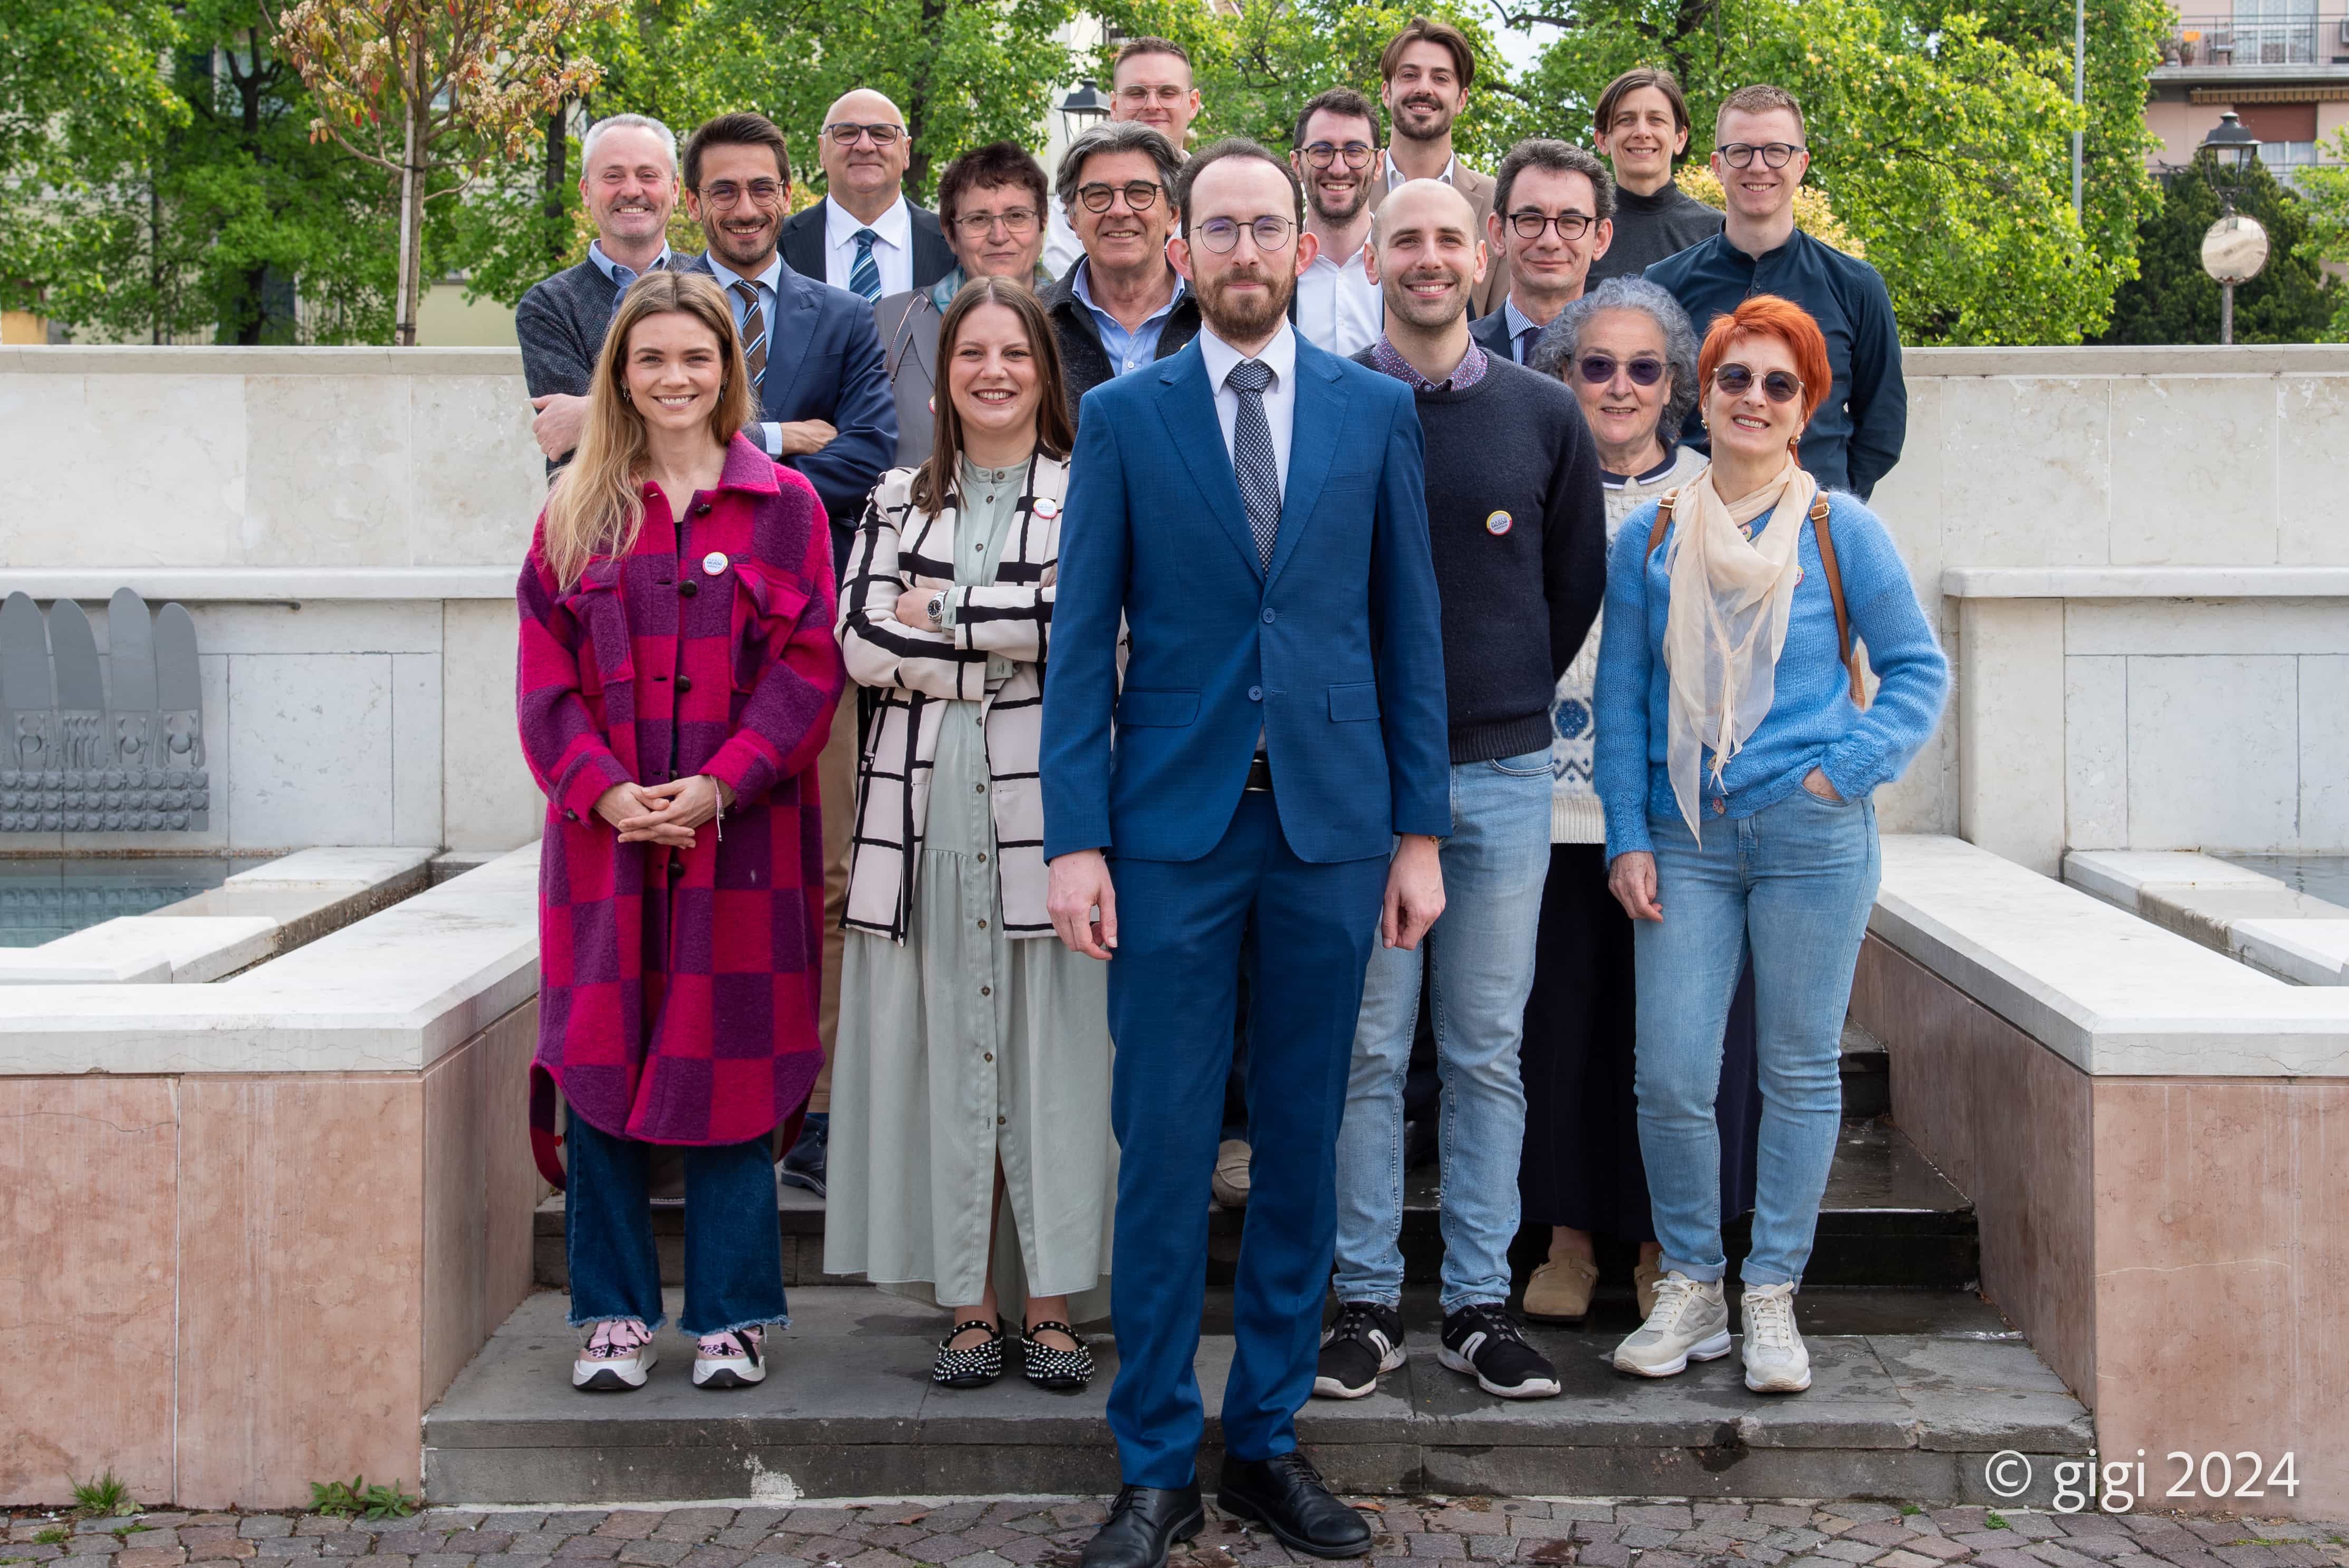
point(1600, 369)
point(1778, 386)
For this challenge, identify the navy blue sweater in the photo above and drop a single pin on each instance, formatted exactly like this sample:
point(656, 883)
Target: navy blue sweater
point(1854, 438)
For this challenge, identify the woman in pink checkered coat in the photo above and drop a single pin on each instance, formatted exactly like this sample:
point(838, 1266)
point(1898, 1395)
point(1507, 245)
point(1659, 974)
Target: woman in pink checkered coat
point(678, 679)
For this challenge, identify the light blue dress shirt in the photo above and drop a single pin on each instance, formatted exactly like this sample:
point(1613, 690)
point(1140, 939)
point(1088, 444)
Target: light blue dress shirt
point(1127, 350)
point(771, 432)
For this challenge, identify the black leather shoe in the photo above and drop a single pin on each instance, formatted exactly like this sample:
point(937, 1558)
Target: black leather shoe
point(1288, 1496)
point(1143, 1524)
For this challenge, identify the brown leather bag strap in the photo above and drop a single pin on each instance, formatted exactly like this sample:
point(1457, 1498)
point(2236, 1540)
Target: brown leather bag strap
point(1663, 519)
point(1835, 592)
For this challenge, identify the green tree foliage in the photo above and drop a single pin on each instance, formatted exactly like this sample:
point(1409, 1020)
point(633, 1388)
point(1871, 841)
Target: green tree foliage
point(2173, 300)
point(2325, 190)
point(75, 73)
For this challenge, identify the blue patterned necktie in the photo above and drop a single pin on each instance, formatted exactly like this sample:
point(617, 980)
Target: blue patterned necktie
point(1255, 463)
point(864, 276)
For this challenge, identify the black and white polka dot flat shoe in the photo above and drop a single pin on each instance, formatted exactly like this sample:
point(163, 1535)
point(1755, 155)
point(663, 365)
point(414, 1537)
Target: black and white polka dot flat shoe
point(973, 1366)
point(1062, 1371)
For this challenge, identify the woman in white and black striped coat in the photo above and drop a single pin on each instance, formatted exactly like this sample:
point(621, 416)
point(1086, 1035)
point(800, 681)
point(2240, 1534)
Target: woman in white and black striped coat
point(971, 1157)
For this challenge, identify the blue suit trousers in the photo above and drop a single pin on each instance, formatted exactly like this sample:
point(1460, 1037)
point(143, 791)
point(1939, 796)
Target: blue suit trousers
point(1182, 930)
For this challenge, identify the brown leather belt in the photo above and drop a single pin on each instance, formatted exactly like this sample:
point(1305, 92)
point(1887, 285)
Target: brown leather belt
point(1260, 774)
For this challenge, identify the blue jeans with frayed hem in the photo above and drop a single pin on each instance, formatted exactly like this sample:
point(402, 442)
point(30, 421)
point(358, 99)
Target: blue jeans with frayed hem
point(734, 1245)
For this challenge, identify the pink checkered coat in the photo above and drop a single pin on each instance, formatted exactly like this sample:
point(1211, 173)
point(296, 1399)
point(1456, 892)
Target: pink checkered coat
point(678, 988)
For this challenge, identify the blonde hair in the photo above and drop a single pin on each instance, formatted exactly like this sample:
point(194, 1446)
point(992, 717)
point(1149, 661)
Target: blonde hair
point(596, 504)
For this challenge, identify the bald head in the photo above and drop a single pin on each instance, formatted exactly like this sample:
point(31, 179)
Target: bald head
point(1426, 254)
point(1421, 204)
point(865, 152)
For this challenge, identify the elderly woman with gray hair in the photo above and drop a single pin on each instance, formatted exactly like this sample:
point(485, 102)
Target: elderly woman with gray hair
point(1629, 353)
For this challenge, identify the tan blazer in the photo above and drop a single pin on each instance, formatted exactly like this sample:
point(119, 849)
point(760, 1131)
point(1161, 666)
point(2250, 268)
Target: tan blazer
point(1478, 189)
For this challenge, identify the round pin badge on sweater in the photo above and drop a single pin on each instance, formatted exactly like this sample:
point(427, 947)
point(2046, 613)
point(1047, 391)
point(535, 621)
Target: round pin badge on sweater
point(1047, 509)
point(1499, 524)
point(713, 564)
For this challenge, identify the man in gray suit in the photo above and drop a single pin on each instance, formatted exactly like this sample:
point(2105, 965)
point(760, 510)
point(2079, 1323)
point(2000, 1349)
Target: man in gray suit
point(630, 183)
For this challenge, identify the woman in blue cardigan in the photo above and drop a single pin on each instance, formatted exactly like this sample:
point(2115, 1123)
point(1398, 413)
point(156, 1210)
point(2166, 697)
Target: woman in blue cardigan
point(1737, 753)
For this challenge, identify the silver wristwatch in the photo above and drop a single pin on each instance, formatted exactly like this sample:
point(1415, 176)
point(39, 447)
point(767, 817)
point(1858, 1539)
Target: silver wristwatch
point(939, 610)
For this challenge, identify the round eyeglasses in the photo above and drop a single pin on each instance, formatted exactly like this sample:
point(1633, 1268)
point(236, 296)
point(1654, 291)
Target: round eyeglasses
point(1778, 386)
point(1571, 226)
point(1599, 369)
point(1740, 154)
point(1321, 154)
point(1139, 195)
point(1221, 234)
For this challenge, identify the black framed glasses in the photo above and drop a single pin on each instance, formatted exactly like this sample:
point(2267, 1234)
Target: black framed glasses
point(1740, 154)
point(1321, 154)
point(845, 133)
point(1221, 234)
point(1139, 194)
point(725, 192)
point(1599, 369)
point(1778, 386)
point(1017, 221)
point(1571, 226)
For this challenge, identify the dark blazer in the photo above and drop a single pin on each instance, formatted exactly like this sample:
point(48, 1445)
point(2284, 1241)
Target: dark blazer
point(1084, 363)
point(1491, 332)
point(1335, 653)
point(802, 243)
point(823, 362)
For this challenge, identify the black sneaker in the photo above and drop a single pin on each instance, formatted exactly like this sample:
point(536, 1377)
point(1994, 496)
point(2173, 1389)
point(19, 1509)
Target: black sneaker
point(1484, 1341)
point(804, 1165)
point(1365, 1340)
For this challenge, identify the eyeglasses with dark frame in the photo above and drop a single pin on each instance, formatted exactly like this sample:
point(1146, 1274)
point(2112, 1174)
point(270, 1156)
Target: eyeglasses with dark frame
point(845, 133)
point(975, 225)
point(1320, 154)
point(725, 192)
point(1774, 154)
point(1599, 369)
point(1139, 195)
point(1571, 226)
point(1737, 380)
point(1222, 234)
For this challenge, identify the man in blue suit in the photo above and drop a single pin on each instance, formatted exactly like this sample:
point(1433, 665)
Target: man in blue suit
point(825, 405)
point(1250, 510)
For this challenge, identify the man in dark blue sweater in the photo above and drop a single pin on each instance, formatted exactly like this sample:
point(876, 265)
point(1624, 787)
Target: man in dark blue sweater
point(1516, 529)
point(1759, 153)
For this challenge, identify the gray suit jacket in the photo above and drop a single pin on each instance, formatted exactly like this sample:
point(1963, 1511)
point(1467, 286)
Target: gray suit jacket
point(908, 324)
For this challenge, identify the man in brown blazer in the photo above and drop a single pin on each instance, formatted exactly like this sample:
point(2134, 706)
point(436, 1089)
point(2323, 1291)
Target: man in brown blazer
point(1427, 68)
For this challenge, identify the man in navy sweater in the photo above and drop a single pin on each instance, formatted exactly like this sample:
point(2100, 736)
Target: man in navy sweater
point(1517, 526)
point(1759, 153)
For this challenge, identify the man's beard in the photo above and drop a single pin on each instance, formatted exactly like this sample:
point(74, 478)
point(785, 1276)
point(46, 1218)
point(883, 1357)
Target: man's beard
point(1441, 128)
point(1244, 320)
point(1334, 216)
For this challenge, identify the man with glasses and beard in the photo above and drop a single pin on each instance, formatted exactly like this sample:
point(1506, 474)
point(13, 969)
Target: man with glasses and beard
point(1121, 305)
point(1426, 70)
point(1277, 788)
point(1550, 221)
point(1760, 155)
point(1334, 151)
point(864, 236)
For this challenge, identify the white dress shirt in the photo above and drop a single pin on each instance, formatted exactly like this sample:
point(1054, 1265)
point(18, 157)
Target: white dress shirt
point(1396, 176)
point(1338, 308)
point(771, 432)
point(893, 250)
point(1061, 247)
point(1279, 399)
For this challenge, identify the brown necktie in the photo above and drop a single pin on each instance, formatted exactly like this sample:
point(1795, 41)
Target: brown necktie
point(754, 331)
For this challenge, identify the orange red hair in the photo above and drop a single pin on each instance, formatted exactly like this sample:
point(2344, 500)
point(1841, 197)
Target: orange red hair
point(1773, 316)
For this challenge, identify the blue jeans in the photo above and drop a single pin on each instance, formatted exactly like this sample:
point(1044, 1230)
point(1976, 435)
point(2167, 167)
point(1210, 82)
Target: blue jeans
point(1480, 962)
point(733, 1244)
point(1795, 883)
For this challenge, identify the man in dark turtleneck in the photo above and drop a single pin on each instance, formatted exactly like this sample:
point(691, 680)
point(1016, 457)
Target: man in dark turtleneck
point(1642, 124)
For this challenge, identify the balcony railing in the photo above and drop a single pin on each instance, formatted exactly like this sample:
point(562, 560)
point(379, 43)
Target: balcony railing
point(2322, 40)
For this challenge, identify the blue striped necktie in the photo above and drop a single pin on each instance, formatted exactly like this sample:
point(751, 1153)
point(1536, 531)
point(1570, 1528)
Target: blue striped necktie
point(865, 277)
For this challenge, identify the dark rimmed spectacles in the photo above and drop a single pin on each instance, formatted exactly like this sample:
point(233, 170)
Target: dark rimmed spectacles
point(1740, 154)
point(1221, 234)
point(1139, 195)
point(1571, 226)
point(1321, 154)
point(845, 133)
point(725, 192)
point(1599, 369)
point(1778, 386)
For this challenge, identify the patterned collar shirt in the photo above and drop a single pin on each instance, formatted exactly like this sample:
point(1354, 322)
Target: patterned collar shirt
point(1467, 374)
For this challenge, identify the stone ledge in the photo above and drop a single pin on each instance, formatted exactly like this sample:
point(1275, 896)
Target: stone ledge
point(2246, 914)
point(206, 359)
point(264, 584)
point(2145, 582)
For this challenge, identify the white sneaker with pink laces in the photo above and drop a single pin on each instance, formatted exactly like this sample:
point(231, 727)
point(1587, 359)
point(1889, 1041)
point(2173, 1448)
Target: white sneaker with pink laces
point(733, 1360)
point(618, 1355)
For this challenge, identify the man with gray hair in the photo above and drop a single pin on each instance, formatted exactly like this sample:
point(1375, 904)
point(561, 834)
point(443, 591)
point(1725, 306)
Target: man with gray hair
point(628, 181)
point(1552, 212)
point(1121, 305)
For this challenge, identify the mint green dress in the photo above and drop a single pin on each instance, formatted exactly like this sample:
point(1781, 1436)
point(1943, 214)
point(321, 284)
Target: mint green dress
point(964, 1047)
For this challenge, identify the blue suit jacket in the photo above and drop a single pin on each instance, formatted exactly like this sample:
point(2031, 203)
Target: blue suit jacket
point(823, 362)
point(1336, 651)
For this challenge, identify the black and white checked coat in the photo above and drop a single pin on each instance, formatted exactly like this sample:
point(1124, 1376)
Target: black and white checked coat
point(916, 671)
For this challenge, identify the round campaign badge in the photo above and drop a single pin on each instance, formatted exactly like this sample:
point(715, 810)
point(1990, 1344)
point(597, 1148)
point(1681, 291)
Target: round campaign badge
point(713, 564)
point(1498, 523)
point(1047, 509)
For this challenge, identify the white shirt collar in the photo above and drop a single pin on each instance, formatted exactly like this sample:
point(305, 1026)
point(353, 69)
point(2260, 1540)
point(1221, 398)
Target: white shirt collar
point(894, 227)
point(1281, 354)
point(770, 276)
point(1396, 176)
point(1353, 264)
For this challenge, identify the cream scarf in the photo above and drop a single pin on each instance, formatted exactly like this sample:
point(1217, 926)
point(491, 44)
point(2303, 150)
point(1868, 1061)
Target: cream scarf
point(1726, 623)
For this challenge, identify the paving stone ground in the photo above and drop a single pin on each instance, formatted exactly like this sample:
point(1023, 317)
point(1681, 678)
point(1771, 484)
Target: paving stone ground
point(1025, 1532)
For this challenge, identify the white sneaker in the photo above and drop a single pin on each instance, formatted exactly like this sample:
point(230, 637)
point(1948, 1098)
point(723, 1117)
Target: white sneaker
point(1776, 1361)
point(617, 1358)
point(1690, 1322)
point(733, 1360)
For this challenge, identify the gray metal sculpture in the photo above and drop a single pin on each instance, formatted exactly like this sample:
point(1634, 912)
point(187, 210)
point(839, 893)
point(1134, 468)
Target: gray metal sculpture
point(84, 750)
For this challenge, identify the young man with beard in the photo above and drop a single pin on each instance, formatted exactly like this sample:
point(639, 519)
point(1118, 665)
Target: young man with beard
point(1517, 525)
point(1426, 69)
point(1334, 150)
point(1641, 127)
point(1150, 84)
point(1550, 221)
point(1276, 789)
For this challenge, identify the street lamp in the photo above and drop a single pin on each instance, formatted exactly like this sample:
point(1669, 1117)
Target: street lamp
point(1082, 110)
point(2234, 248)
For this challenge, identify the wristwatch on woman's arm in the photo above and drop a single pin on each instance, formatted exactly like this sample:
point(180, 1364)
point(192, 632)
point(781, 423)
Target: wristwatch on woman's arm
point(939, 610)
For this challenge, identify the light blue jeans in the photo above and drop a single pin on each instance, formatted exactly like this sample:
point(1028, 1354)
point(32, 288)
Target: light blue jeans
point(1795, 882)
point(1480, 961)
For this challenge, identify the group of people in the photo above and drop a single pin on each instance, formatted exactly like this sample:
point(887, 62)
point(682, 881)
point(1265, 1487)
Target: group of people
point(1049, 709)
